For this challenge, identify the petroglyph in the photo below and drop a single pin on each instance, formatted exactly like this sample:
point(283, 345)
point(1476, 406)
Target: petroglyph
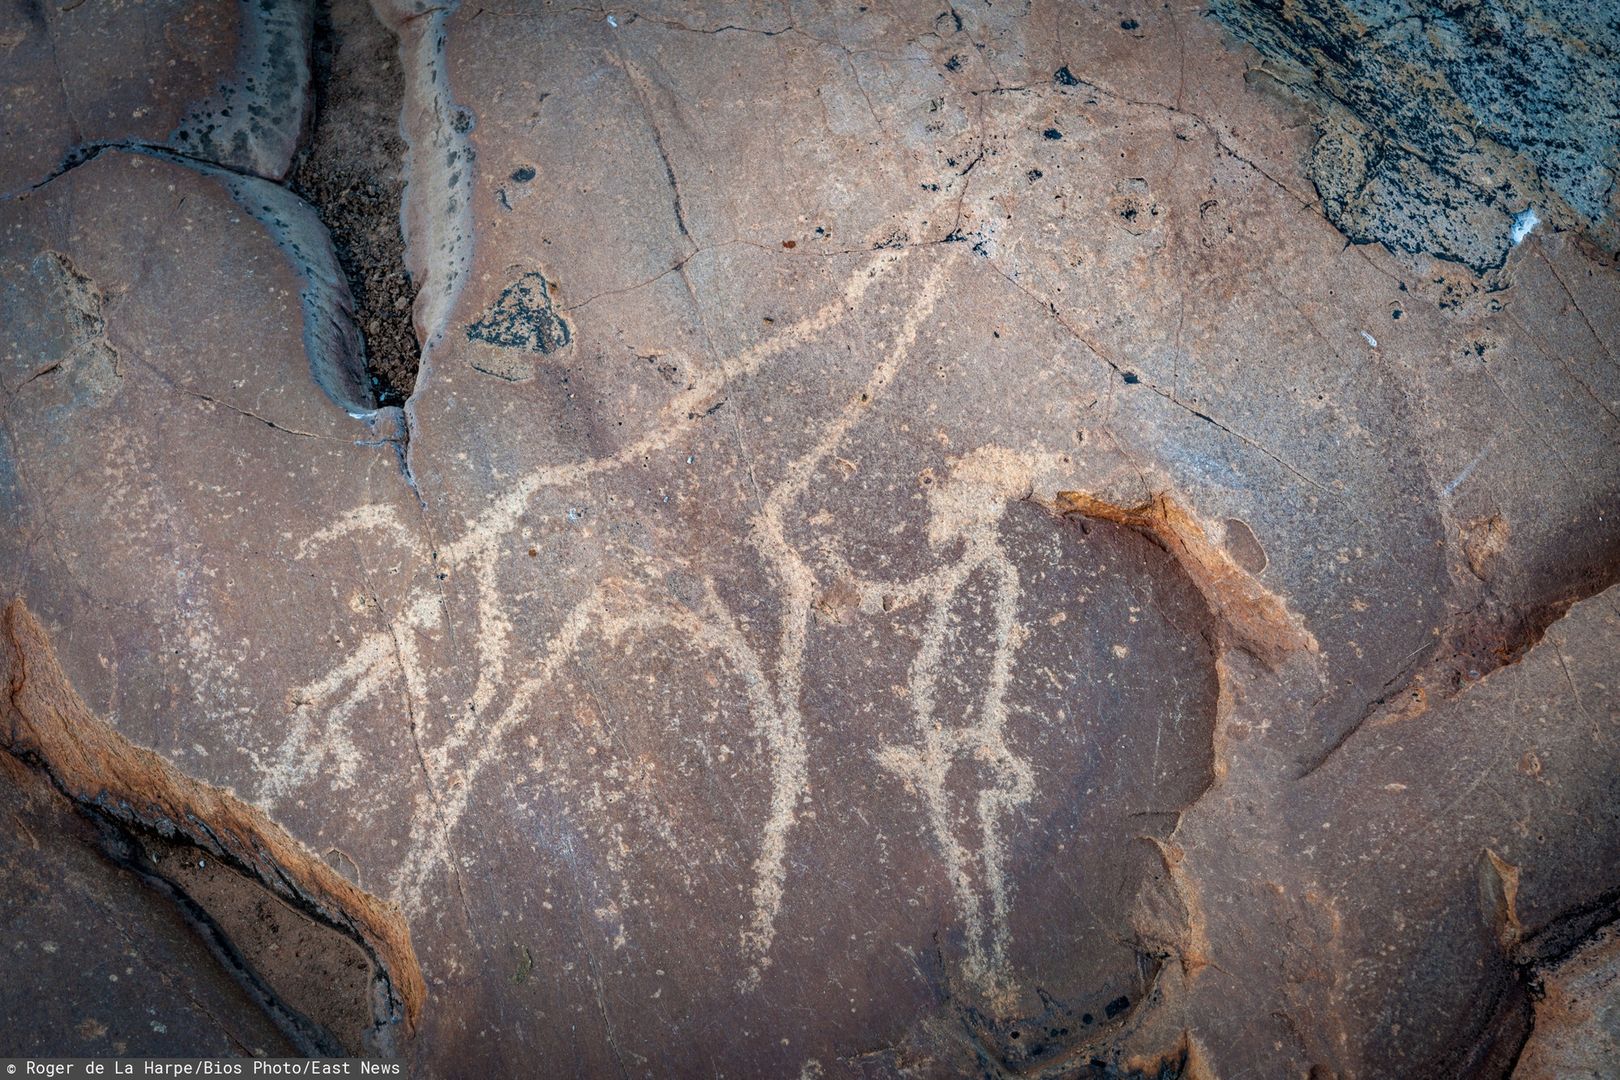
point(368, 669)
point(966, 778)
point(966, 510)
point(614, 611)
point(785, 734)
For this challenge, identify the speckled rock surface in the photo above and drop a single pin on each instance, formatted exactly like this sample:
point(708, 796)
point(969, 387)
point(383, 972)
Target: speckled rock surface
point(1442, 126)
point(924, 542)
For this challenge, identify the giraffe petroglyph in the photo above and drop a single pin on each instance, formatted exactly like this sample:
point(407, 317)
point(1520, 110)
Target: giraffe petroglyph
point(964, 512)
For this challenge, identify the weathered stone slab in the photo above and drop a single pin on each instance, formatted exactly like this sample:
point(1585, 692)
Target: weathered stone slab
point(916, 548)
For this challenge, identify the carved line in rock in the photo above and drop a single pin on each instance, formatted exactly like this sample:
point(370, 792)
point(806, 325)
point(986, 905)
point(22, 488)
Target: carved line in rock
point(48, 726)
point(927, 762)
point(478, 548)
point(966, 508)
point(785, 734)
point(775, 701)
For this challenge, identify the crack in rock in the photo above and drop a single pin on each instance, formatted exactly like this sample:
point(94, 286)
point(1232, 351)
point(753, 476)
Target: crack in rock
point(350, 170)
point(165, 813)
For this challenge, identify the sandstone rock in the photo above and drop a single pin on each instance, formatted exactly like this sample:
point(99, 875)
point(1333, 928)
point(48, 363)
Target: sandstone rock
point(923, 542)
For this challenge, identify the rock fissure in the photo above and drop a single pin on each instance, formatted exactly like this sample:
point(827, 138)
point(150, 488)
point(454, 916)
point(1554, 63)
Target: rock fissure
point(350, 170)
point(335, 207)
point(163, 812)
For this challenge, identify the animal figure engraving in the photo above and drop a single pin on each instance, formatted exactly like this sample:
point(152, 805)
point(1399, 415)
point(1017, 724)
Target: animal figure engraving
point(620, 609)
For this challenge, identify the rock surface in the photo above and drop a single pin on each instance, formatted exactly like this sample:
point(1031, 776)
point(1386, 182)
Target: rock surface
point(924, 541)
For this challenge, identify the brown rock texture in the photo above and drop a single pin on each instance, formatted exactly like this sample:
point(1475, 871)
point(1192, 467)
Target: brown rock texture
point(813, 540)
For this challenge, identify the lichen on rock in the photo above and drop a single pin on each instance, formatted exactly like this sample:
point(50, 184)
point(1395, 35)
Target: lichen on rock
point(1440, 125)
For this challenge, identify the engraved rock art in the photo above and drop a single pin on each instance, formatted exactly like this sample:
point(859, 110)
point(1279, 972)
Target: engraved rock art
point(821, 542)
